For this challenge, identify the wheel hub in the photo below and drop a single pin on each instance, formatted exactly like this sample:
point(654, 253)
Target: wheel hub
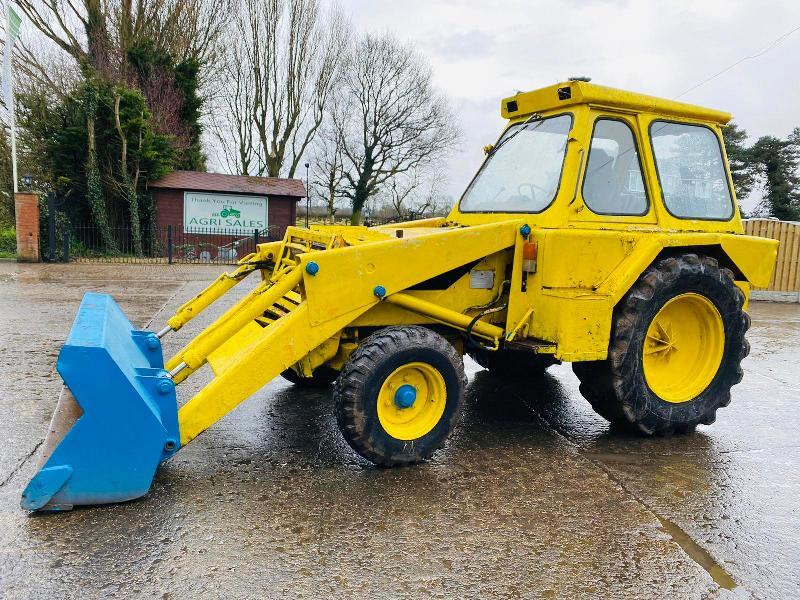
point(683, 348)
point(405, 396)
point(412, 400)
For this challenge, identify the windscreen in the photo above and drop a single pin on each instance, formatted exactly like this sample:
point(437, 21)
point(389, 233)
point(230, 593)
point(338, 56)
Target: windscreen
point(523, 171)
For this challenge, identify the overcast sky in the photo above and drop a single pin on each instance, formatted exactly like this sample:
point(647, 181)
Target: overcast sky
point(482, 51)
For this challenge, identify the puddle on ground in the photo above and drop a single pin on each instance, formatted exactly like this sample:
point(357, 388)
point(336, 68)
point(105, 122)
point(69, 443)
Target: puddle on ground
point(698, 554)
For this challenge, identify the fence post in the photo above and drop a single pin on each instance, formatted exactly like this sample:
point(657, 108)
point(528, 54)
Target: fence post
point(255, 240)
point(169, 244)
point(51, 226)
point(66, 246)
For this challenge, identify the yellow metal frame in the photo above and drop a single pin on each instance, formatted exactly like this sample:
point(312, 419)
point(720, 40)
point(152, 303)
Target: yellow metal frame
point(322, 286)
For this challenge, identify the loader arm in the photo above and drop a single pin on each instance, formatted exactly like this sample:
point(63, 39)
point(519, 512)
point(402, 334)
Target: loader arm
point(314, 284)
point(305, 303)
point(222, 284)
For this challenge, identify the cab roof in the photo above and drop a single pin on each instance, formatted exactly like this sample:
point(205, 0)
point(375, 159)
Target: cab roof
point(574, 92)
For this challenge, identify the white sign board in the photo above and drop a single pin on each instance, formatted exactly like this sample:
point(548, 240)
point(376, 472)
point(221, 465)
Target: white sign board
point(481, 280)
point(223, 213)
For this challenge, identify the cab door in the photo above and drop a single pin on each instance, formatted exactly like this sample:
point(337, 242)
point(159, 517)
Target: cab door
point(613, 190)
point(610, 209)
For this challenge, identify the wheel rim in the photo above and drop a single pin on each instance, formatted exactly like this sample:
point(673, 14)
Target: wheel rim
point(411, 401)
point(683, 348)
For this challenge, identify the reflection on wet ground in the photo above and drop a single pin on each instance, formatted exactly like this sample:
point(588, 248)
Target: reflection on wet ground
point(533, 496)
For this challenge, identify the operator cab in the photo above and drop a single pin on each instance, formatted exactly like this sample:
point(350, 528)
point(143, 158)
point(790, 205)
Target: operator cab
point(577, 153)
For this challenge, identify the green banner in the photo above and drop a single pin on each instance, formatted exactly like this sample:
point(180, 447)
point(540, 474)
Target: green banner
point(14, 21)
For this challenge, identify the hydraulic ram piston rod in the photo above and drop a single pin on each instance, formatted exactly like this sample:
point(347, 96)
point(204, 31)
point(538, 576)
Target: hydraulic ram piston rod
point(445, 315)
point(254, 304)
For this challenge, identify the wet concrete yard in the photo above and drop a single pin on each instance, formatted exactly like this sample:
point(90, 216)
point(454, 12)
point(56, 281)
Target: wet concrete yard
point(533, 496)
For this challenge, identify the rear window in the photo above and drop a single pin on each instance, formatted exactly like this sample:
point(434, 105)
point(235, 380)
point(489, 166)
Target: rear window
point(691, 171)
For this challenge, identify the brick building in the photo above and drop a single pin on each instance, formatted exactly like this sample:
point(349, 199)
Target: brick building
point(192, 202)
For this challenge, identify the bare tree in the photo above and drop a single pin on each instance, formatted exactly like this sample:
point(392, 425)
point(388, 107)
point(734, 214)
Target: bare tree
point(415, 193)
point(392, 121)
point(282, 63)
point(98, 33)
point(398, 191)
point(431, 201)
point(328, 171)
point(233, 120)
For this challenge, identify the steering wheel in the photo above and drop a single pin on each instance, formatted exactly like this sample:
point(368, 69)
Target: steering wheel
point(533, 187)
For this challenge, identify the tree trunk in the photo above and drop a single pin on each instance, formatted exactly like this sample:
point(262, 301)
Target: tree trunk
point(133, 208)
point(330, 202)
point(94, 186)
point(273, 165)
point(129, 186)
point(361, 193)
point(359, 199)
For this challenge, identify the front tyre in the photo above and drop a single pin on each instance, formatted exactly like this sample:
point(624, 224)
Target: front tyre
point(677, 343)
point(400, 395)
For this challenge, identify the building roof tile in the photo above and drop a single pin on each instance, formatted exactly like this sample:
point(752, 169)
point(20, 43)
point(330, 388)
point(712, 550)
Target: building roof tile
point(236, 184)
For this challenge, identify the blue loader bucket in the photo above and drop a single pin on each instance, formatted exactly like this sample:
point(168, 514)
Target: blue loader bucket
point(116, 420)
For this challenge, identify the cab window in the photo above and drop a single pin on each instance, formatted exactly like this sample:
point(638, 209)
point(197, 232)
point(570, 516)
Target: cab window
point(523, 171)
point(691, 171)
point(613, 183)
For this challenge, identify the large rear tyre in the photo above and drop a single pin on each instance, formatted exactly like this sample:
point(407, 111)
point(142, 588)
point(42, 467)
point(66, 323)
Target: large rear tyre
point(512, 364)
point(677, 342)
point(400, 395)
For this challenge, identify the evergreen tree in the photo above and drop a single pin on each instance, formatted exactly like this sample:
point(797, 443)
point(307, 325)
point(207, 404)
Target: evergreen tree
point(777, 161)
point(739, 158)
point(187, 72)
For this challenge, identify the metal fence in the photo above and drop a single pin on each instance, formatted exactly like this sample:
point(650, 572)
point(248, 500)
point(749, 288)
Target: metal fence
point(63, 240)
point(88, 243)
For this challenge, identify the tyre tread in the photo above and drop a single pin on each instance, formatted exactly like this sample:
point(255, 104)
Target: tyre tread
point(356, 373)
point(610, 385)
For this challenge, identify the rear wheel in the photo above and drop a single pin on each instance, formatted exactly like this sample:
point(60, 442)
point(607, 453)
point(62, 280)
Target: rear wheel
point(512, 364)
point(399, 396)
point(677, 342)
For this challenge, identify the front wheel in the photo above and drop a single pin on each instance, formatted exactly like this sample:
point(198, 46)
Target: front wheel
point(677, 342)
point(400, 395)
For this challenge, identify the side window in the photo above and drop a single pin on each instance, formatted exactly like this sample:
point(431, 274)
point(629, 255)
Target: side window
point(613, 183)
point(691, 171)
